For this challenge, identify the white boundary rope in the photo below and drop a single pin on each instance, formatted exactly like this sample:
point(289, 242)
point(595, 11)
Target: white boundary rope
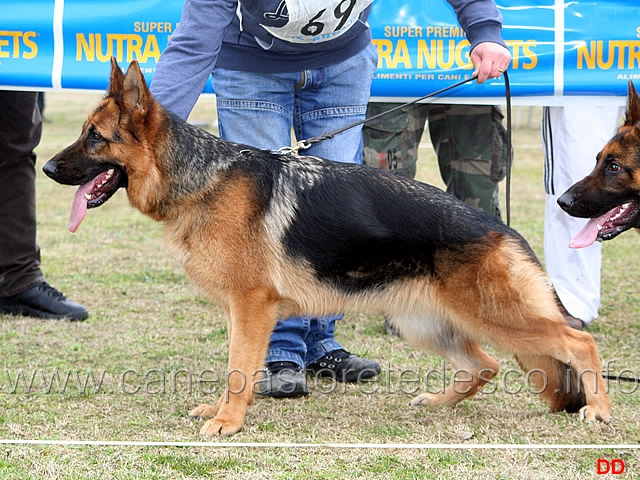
point(387, 446)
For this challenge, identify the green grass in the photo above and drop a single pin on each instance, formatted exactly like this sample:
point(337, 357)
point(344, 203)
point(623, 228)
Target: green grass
point(154, 347)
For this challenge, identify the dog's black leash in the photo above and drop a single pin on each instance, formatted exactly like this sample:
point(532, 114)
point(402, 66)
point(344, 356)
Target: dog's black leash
point(624, 379)
point(304, 144)
point(507, 181)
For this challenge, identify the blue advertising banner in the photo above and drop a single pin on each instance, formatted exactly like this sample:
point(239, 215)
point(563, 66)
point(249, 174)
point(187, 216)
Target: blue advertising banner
point(601, 55)
point(560, 49)
point(424, 49)
point(26, 44)
point(127, 30)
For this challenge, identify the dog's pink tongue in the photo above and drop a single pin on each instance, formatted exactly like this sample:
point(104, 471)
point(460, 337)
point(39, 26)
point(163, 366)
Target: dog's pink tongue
point(79, 207)
point(589, 232)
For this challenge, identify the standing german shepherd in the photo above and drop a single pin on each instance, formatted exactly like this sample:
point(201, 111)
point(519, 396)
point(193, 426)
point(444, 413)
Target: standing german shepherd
point(268, 235)
point(610, 195)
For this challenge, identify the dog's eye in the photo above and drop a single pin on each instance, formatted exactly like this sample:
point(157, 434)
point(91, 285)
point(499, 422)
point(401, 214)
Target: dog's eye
point(614, 167)
point(93, 135)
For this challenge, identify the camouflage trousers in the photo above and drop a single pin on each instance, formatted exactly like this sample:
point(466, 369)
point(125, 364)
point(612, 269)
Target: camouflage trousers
point(469, 141)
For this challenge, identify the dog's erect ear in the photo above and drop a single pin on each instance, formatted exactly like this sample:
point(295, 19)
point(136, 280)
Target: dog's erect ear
point(135, 93)
point(633, 107)
point(117, 77)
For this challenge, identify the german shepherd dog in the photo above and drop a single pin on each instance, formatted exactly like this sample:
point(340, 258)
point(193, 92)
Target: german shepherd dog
point(610, 195)
point(268, 235)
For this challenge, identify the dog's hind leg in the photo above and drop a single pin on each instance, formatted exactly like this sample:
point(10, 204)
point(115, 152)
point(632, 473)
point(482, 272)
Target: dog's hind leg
point(564, 361)
point(521, 316)
point(524, 319)
point(512, 306)
point(473, 369)
point(252, 319)
point(570, 374)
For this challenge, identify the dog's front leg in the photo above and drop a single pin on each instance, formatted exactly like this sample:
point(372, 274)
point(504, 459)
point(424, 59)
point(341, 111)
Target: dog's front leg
point(252, 317)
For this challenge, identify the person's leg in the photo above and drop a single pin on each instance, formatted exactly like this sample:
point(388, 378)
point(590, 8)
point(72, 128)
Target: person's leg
point(391, 142)
point(326, 100)
point(23, 290)
point(248, 102)
point(331, 98)
point(20, 131)
point(470, 144)
point(256, 110)
point(572, 136)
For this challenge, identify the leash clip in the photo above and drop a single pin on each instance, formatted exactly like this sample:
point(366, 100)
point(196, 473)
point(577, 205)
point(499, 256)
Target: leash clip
point(302, 144)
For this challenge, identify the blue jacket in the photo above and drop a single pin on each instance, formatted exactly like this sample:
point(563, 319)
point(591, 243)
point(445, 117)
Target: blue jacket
point(271, 36)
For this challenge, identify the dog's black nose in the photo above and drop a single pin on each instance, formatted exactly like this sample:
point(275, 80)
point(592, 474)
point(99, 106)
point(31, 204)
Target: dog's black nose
point(50, 168)
point(566, 201)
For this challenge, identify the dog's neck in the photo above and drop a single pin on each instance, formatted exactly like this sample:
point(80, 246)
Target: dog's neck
point(193, 156)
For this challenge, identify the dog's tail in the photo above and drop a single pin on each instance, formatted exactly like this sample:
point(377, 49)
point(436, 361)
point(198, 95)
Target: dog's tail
point(559, 384)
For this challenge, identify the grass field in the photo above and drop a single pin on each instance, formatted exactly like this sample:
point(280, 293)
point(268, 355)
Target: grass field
point(154, 347)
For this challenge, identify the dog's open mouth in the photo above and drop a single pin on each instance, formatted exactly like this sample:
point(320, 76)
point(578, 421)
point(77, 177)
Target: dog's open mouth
point(607, 226)
point(93, 194)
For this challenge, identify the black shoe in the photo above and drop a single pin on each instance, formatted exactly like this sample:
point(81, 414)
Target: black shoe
point(344, 367)
point(42, 301)
point(572, 321)
point(282, 380)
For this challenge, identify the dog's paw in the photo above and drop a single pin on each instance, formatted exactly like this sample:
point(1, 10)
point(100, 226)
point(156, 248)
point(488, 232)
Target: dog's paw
point(449, 398)
point(592, 414)
point(219, 427)
point(204, 411)
point(422, 399)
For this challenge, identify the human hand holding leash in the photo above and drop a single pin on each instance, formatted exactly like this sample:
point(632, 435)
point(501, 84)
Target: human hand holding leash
point(490, 60)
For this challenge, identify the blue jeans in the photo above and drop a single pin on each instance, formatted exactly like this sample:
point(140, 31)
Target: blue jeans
point(260, 110)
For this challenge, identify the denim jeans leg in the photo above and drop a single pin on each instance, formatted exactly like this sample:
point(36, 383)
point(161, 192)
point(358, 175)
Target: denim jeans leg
point(287, 341)
point(320, 339)
point(255, 109)
point(259, 110)
point(334, 97)
point(329, 99)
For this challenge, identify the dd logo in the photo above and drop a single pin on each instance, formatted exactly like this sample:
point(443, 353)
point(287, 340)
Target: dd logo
point(614, 466)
